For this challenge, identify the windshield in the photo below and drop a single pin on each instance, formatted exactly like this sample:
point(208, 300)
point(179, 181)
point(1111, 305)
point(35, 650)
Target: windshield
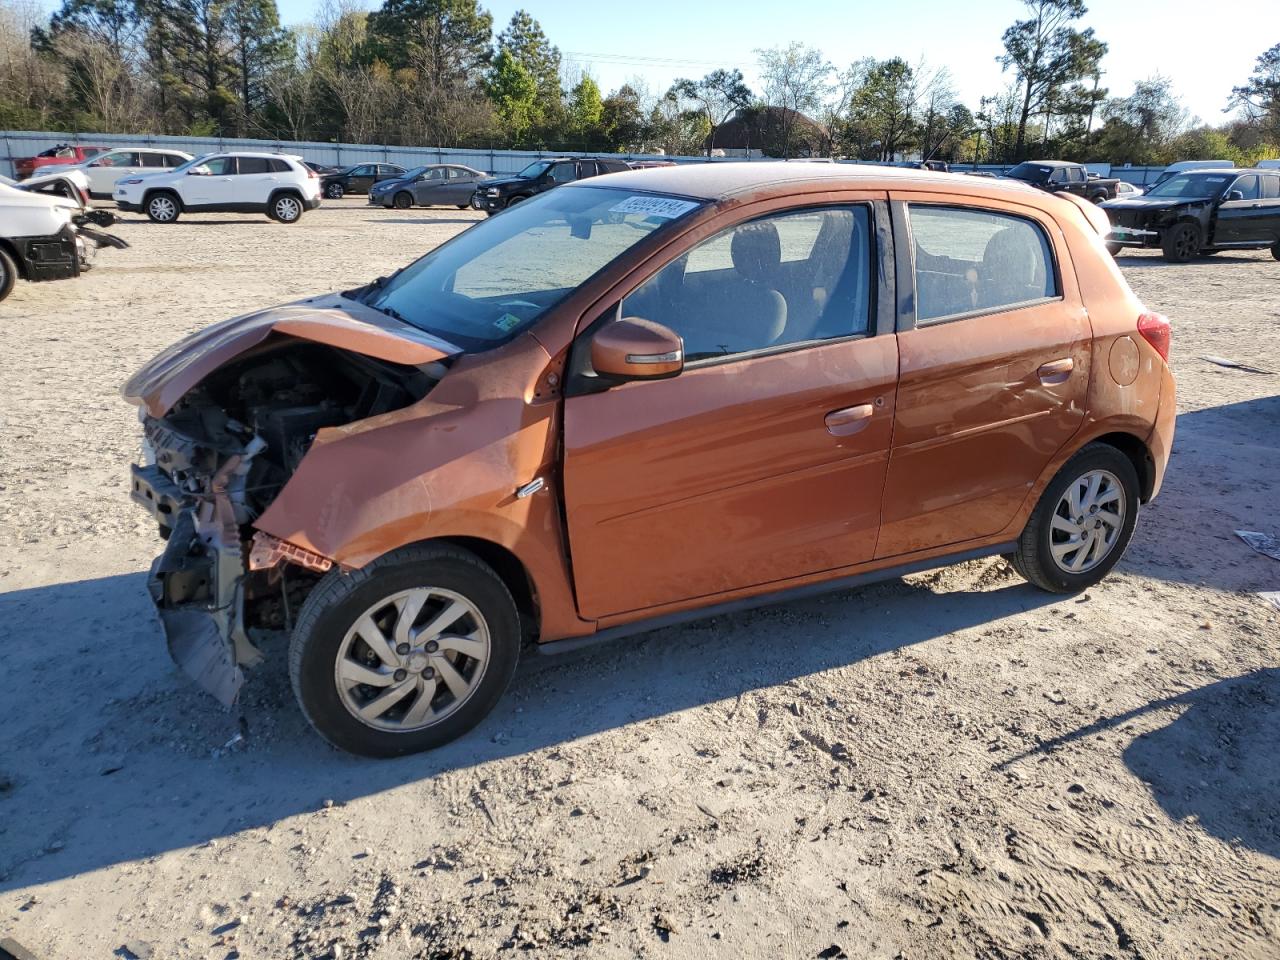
point(1192, 186)
point(193, 162)
point(502, 275)
point(1030, 172)
point(535, 169)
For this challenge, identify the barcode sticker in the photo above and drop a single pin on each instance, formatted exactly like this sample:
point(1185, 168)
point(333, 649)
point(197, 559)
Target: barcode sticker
point(666, 207)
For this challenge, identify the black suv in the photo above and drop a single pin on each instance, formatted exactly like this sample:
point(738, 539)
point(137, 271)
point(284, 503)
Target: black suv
point(538, 177)
point(1198, 212)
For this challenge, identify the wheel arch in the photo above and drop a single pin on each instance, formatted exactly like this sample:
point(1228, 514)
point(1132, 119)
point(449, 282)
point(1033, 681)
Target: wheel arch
point(1136, 450)
point(147, 195)
point(509, 568)
point(279, 192)
point(19, 262)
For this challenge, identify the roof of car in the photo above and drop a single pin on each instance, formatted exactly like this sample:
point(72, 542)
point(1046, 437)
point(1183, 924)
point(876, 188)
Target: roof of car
point(717, 181)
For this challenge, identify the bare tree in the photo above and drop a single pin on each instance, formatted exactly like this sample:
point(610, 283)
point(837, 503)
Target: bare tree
point(795, 80)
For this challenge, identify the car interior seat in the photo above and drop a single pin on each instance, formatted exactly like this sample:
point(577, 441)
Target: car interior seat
point(1012, 269)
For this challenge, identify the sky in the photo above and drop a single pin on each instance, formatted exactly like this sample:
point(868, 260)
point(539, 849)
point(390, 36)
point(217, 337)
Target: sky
point(1203, 53)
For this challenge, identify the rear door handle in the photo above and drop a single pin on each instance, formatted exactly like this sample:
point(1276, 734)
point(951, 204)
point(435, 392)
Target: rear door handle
point(849, 420)
point(1056, 371)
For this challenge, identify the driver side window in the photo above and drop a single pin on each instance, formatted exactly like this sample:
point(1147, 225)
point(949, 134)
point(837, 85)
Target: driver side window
point(1247, 185)
point(789, 278)
point(563, 173)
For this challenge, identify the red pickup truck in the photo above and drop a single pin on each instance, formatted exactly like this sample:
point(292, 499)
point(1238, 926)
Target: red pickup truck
point(62, 154)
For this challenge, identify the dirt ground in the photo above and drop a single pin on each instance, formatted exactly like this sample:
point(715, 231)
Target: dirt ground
point(951, 765)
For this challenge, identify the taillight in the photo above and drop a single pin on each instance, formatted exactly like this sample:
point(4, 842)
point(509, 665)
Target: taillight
point(1156, 330)
point(311, 173)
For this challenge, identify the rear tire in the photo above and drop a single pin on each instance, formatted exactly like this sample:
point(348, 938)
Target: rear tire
point(286, 208)
point(464, 206)
point(1181, 242)
point(334, 191)
point(1275, 251)
point(163, 207)
point(1062, 553)
point(403, 201)
point(8, 273)
point(448, 678)
point(1114, 249)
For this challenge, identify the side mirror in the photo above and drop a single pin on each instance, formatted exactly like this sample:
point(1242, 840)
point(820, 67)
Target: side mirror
point(636, 349)
point(1235, 195)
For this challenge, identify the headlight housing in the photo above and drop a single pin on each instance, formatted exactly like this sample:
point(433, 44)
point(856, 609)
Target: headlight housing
point(492, 192)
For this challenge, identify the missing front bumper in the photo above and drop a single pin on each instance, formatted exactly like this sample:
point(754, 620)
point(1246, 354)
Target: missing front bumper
point(197, 585)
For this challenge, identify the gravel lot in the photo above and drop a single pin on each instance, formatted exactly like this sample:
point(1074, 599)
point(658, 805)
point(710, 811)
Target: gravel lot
point(951, 765)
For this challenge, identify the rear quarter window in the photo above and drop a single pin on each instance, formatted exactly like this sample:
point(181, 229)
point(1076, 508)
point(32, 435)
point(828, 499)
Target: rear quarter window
point(971, 261)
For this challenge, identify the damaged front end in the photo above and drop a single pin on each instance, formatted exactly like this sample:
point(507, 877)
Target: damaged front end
point(215, 460)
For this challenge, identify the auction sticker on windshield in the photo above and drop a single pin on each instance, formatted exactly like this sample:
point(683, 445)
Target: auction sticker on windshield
point(665, 207)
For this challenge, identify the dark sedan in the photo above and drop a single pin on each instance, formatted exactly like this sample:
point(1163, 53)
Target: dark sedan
point(358, 179)
point(1201, 212)
point(434, 185)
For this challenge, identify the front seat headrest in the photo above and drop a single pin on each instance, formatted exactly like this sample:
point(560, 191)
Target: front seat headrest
point(756, 251)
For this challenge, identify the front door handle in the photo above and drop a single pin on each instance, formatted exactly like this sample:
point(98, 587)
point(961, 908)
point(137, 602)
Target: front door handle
point(1056, 371)
point(842, 423)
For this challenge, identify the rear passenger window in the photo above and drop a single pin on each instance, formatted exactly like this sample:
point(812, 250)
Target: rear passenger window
point(155, 160)
point(975, 261)
point(254, 165)
point(1271, 188)
point(786, 279)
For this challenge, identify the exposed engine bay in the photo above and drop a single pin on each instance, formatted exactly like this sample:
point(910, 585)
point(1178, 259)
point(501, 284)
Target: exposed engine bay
point(215, 462)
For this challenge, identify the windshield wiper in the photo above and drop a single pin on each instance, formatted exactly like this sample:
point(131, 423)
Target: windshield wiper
point(393, 313)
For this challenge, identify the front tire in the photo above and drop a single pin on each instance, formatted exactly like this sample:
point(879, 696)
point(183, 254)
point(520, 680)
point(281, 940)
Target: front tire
point(1114, 249)
point(405, 654)
point(162, 207)
point(8, 273)
point(286, 208)
point(1181, 242)
point(1083, 522)
point(1275, 251)
point(403, 201)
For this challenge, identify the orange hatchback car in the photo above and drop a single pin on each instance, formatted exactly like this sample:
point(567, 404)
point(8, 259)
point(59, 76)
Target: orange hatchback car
point(645, 398)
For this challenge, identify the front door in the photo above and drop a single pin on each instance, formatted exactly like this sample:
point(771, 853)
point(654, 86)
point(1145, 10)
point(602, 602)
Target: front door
point(210, 184)
point(995, 369)
point(360, 179)
point(1253, 217)
point(765, 458)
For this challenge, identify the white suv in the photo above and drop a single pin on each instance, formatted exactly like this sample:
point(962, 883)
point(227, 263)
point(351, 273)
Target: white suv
point(276, 184)
point(106, 169)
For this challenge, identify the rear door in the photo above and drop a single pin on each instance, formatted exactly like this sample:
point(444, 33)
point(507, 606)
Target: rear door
point(254, 180)
point(765, 458)
point(461, 184)
point(994, 351)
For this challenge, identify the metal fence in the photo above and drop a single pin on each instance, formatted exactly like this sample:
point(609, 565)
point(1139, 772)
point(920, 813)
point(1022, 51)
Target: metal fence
point(26, 143)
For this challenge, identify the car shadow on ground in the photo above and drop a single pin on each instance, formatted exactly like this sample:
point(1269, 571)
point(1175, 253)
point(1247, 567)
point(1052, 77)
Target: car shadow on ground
point(1232, 790)
point(1135, 261)
point(421, 220)
point(132, 764)
point(1223, 476)
point(120, 759)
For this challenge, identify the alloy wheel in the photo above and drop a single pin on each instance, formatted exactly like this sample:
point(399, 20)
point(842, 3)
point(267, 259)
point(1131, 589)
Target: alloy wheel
point(412, 659)
point(1087, 521)
point(162, 209)
point(1184, 242)
point(288, 209)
